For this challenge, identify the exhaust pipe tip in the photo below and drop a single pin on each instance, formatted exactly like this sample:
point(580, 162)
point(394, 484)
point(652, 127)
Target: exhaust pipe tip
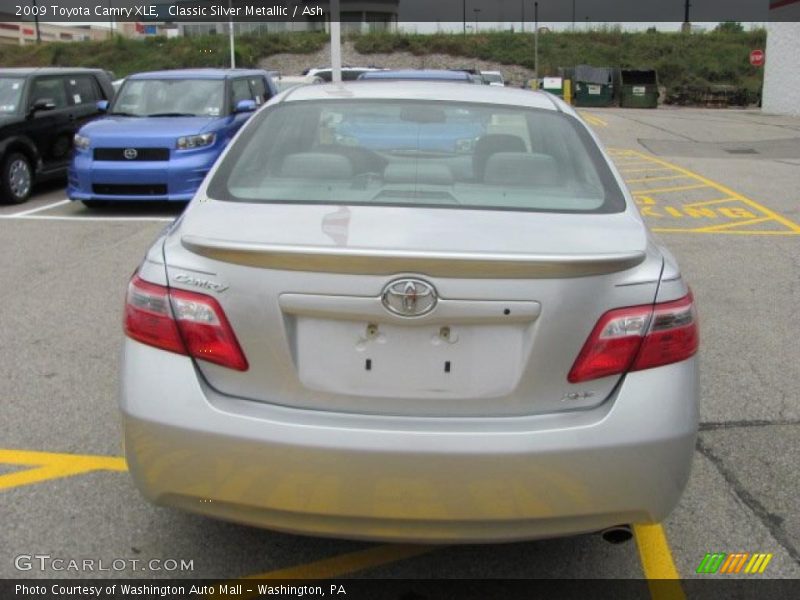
point(619, 534)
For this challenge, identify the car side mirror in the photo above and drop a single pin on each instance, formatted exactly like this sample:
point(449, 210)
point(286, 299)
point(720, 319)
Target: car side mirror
point(41, 104)
point(102, 105)
point(245, 106)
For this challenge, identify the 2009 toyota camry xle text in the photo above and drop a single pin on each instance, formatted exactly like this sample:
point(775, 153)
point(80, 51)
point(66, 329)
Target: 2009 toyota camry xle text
point(412, 311)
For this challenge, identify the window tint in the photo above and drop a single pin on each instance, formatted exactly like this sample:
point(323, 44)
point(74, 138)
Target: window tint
point(240, 90)
point(351, 75)
point(10, 92)
point(259, 90)
point(83, 89)
point(187, 97)
point(441, 154)
point(51, 88)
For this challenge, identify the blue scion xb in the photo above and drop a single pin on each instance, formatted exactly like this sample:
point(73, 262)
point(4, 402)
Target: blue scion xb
point(162, 133)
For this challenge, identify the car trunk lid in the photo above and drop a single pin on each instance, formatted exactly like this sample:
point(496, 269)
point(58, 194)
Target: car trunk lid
point(305, 286)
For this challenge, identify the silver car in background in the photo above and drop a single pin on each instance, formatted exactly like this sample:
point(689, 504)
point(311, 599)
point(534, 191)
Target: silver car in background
point(411, 311)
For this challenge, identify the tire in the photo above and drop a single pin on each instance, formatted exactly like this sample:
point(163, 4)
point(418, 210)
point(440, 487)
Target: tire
point(16, 179)
point(95, 203)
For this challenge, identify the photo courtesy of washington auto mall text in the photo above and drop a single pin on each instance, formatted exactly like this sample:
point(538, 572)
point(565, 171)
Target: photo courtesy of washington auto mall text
point(69, 591)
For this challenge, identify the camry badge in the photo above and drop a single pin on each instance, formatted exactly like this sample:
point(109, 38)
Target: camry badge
point(130, 153)
point(409, 297)
point(201, 283)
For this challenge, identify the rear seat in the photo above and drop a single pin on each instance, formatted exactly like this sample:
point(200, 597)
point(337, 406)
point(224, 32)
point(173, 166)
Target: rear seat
point(522, 169)
point(418, 173)
point(316, 165)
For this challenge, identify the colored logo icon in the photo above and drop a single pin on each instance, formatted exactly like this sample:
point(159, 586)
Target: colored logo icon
point(737, 562)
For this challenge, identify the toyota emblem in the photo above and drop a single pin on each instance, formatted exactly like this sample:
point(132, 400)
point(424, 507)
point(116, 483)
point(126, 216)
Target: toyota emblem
point(130, 153)
point(409, 297)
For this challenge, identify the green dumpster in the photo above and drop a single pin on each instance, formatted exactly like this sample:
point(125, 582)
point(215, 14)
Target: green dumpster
point(639, 88)
point(594, 86)
point(554, 85)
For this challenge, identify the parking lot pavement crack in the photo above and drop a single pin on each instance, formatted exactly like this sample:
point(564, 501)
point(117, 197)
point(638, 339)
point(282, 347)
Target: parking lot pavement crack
point(773, 522)
point(657, 127)
point(664, 129)
point(717, 425)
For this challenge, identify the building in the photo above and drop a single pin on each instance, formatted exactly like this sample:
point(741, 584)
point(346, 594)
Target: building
point(138, 30)
point(16, 32)
point(781, 93)
point(356, 16)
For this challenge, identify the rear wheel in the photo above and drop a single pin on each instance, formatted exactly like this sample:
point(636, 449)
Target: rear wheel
point(16, 179)
point(95, 203)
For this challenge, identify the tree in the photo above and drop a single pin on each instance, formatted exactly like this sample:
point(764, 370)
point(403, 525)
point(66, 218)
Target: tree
point(729, 27)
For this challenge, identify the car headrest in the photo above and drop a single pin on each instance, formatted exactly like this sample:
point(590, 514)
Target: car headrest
point(490, 144)
point(418, 173)
point(521, 168)
point(316, 165)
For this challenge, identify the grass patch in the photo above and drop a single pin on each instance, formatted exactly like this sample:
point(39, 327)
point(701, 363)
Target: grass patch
point(697, 59)
point(125, 56)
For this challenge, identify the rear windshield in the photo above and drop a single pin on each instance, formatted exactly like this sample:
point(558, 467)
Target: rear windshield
point(434, 154)
point(170, 97)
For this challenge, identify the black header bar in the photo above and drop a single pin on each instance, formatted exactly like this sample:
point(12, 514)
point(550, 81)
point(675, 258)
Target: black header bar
point(503, 13)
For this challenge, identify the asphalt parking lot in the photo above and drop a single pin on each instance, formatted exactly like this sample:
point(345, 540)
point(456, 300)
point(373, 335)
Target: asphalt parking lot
point(719, 187)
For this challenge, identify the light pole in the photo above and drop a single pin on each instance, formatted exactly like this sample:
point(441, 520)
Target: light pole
point(686, 27)
point(464, 14)
point(336, 42)
point(110, 21)
point(476, 11)
point(36, 22)
point(522, 20)
point(573, 15)
point(230, 36)
point(536, 42)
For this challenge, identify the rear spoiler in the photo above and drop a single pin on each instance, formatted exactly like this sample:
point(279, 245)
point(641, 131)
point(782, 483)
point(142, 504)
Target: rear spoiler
point(368, 261)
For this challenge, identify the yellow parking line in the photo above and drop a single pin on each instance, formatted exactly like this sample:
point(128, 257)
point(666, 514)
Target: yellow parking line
point(648, 179)
point(628, 158)
point(339, 565)
point(794, 227)
point(645, 170)
point(734, 224)
point(680, 188)
point(657, 563)
point(49, 465)
point(715, 201)
point(593, 119)
point(725, 232)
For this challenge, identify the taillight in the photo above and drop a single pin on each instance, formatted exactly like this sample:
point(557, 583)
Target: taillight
point(148, 317)
point(636, 338)
point(183, 322)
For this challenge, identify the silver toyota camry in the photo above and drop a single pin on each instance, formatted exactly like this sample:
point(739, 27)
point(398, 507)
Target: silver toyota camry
point(412, 311)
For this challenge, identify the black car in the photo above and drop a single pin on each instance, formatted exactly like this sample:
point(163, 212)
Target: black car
point(40, 112)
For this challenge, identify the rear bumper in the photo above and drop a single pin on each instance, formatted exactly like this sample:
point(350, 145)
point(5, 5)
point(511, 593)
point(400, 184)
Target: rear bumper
point(181, 175)
point(408, 479)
